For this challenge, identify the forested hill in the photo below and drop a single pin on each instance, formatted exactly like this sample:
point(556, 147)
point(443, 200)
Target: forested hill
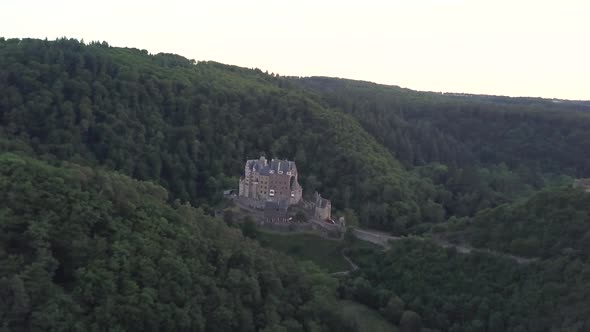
point(550, 223)
point(535, 134)
point(557, 104)
point(112, 161)
point(483, 150)
point(88, 250)
point(190, 126)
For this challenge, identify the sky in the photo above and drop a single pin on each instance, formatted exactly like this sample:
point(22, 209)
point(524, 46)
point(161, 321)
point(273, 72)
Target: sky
point(516, 48)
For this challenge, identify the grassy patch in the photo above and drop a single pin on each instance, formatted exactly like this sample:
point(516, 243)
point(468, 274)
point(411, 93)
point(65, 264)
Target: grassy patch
point(323, 252)
point(326, 253)
point(365, 318)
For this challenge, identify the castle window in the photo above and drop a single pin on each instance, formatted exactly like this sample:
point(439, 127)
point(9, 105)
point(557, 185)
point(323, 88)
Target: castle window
point(289, 173)
point(280, 172)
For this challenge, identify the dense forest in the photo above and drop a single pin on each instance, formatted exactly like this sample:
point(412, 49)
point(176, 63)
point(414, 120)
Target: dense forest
point(493, 149)
point(190, 127)
point(462, 131)
point(444, 290)
point(113, 160)
point(90, 250)
point(550, 223)
point(503, 169)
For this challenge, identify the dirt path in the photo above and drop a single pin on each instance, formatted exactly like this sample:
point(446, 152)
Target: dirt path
point(469, 249)
point(353, 267)
point(376, 237)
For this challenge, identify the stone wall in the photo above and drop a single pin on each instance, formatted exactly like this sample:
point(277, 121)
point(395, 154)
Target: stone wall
point(323, 208)
point(287, 227)
point(584, 184)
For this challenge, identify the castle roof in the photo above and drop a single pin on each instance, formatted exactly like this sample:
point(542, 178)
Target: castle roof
point(276, 165)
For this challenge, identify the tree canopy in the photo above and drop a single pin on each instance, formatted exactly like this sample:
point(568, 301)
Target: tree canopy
point(82, 249)
point(113, 159)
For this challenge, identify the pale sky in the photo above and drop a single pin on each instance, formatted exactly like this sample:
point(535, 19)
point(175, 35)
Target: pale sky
point(515, 48)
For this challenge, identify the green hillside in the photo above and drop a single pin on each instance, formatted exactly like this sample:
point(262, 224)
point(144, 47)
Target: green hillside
point(454, 129)
point(476, 292)
point(550, 223)
point(113, 160)
point(190, 126)
point(488, 157)
point(89, 250)
point(483, 150)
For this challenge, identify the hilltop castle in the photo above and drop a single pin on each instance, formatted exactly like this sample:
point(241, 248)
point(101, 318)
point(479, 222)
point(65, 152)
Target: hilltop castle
point(273, 187)
point(274, 181)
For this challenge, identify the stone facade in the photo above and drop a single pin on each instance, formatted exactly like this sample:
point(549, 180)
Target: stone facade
point(275, 211)
point(584, 184)
point(274, 181)
point(323, 208)
point(273, 186)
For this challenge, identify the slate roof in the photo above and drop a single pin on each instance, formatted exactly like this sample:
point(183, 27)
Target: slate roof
point(274, 165)
point(281, 165)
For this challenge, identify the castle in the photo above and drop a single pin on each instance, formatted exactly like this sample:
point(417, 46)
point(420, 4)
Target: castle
point(273, 187)
point(274, 181)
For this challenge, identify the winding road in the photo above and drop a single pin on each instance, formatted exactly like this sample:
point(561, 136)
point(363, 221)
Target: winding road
point(383, 239)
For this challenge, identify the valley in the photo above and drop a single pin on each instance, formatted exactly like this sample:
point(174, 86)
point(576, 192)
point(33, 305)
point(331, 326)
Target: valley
point(462, 212)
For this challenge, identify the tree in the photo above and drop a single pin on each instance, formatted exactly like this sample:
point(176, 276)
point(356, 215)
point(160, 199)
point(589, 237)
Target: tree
point(496, 323)
point(300, 216)
point(350, 218)
point(394, 309)
point(410, 322)
point(228, 217)
point(349, 237)
point(249, 227)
